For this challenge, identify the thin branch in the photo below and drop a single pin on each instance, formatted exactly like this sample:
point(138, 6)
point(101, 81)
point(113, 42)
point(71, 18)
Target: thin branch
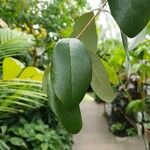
point(104, 10)
point(87, 25)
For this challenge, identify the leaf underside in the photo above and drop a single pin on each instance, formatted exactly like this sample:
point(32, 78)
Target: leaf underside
point(89, 36)
point(100, 81)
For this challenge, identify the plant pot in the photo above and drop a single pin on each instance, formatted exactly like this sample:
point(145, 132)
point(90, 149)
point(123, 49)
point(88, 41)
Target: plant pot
point(139, 129)
point(147, 134)
point(108, 109)
point(139, 117)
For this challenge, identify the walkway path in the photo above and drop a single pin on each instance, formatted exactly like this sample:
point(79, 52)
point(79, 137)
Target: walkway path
point(95, 134)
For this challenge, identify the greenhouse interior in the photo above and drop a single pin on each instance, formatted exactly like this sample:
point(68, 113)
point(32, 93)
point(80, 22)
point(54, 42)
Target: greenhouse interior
point(97, 49)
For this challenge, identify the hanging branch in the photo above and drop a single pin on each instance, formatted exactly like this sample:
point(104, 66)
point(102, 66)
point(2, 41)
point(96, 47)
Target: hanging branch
point(87, 25)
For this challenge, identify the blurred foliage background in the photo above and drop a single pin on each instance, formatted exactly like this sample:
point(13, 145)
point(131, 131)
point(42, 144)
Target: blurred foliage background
point(47, 21)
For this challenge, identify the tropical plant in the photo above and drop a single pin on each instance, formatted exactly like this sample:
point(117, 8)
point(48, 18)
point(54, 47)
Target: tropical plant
point(21, 97)
point(20, 86)
point(14, 43)
point(116, 128)
point(135, 106)
point(131, 131)
point(34, 134)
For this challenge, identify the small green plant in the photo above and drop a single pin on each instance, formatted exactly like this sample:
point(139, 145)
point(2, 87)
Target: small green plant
point(34, 135)
point(122, 129)
point(131, 131)
point(135, 106)
point(117, 127)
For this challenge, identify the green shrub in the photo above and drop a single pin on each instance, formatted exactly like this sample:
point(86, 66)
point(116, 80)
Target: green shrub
point(33, 132)
point(117, 127)
point(131, 131)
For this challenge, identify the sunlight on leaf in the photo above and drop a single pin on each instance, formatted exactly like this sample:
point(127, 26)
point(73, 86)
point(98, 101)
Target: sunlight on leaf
point(89, 36)
point(11, 68)
point(32, 73)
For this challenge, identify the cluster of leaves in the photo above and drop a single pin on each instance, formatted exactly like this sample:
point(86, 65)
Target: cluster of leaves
point(73, 68)
point(21, 93)
point(120, 129)
point(138, 106)
point(66, 92)
point(30, 134)
point(14, 43)
point(20, 86)
point(61, 80)
point(114, 61)
point(53, 16)
point(15, 100)
point(140, 60)
point(131, 101)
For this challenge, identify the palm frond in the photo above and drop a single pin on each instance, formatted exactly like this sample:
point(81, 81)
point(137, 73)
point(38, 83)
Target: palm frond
point(19, 95)
point(13, 43)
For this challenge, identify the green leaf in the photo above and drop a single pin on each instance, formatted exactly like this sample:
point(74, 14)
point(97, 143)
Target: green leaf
point(131, 15)
point(3, 129)
point(45, 77)
point(71, 71)
point(128, 68)
point(100, 82)
point(19, 95)
point(111, 73)
point(18, 142)
point(4, 146)
point(44, 146)
point(70, 119)
point(39, 137)
point(135, 106)
point(131, 43)
point(89, 36)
